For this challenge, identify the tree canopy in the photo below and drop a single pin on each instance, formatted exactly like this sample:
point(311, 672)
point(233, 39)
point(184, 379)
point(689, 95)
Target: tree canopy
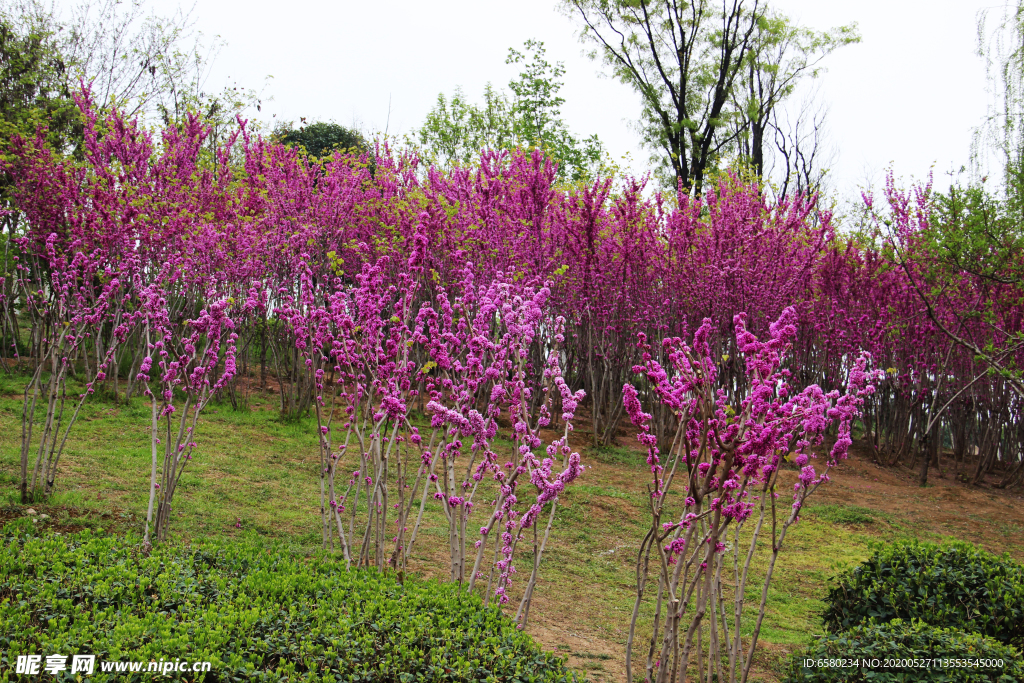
point(455, 129)
point(709, 77)
point(321, 138)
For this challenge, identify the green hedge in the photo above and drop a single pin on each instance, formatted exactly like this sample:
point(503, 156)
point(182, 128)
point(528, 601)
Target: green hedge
point(954, 586)
point(902, 652)
point(256, 613)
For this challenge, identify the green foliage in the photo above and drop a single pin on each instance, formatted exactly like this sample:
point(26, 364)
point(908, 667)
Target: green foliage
point(256, 613)
point(33, 86)
point(131, 57)
point(34, 98)
point(902, 640)
point(975, 232)
point(456, 130)
point(782, 54)
point(322, 138)
point(148, 66)
point(964, 263)
point(951, 586)
point(537, 117)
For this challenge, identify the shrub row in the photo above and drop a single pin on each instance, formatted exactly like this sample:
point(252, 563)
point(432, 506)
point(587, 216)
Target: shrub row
point(255, 613)
point(952, 586)
point(921, 612)
point(905, 652)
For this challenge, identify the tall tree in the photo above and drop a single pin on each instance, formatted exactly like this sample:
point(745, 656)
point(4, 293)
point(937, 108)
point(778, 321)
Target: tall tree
point(683, 58)
point(801, 156)
point(537, 113)
point(132, 58)
point(998, 145)
point(709, 75)
point(456, 130)
point(148, 65)
point(34, 95)
point(33, 85)
point(782, 55)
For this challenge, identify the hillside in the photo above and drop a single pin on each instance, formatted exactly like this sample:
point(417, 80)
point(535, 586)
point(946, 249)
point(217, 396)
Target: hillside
point(256, 476)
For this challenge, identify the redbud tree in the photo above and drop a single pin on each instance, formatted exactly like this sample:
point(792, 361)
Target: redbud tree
point(713, 493)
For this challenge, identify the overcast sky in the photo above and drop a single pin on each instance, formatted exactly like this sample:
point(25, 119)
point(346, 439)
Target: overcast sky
point(908, 95)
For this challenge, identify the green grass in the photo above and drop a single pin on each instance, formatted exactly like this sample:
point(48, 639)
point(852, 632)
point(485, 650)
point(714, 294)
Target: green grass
point(616, 455)
point(847, 514)
point(247, 465)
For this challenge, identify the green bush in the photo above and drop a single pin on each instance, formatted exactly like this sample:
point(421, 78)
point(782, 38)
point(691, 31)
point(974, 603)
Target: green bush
point(953, 586)
point(255, 612)
point(879, 653)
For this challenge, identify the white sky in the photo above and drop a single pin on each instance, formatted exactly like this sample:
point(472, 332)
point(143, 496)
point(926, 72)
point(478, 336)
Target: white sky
point(908, 95)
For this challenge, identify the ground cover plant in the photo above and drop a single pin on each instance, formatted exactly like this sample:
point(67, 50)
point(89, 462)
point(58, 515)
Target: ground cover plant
point(438, 340)
point(279, 615)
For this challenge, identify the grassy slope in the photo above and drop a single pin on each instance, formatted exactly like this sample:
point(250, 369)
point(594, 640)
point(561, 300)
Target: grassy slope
point(254, 474)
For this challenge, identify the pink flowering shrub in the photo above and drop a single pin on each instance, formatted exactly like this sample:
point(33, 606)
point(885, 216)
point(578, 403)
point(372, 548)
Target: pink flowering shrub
point(127, 261)
point(718, 479)
point(464, 355)
point(74, 279)
point(180, 373)
point(84, 303)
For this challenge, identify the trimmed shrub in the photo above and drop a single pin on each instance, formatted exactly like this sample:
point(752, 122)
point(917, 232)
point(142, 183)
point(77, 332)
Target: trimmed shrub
point(904, 652)
point(255, 612)
point(953, 586)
